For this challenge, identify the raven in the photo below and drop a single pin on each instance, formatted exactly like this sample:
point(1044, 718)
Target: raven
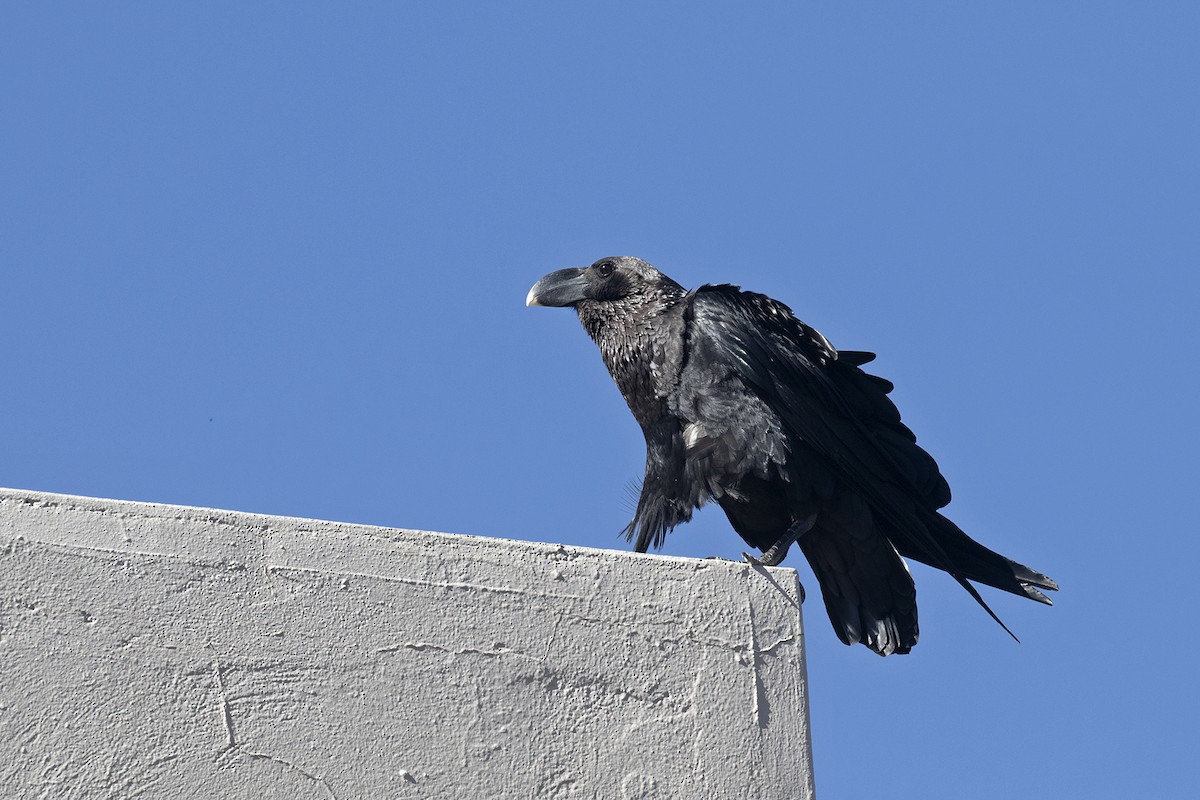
point(742, 403)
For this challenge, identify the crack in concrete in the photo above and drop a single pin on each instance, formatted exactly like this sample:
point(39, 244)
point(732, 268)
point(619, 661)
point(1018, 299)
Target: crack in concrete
point(758, 686)
point(287, 573)
point(558, 618)
point(297, 769)
point(420, 647)
point(636, 629)
point(226, 714)
point(552, 680)
point(698, 754)
point(233, 747)
point(761, 705)
point(769, 649)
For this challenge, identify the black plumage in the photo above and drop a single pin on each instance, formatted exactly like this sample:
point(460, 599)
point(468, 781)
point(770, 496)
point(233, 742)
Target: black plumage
point(742, 403)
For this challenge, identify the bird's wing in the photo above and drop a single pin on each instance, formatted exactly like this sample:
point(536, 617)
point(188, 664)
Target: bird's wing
point(842, 413)
point(819, 393)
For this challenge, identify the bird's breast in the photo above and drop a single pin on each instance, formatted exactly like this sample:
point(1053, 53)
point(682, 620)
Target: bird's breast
point(644, 357)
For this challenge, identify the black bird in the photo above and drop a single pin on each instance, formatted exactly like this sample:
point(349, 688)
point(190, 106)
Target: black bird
point(742, 403)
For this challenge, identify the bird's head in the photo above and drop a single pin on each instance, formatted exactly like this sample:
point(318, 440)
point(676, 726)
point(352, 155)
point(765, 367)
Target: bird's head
point(611, 279)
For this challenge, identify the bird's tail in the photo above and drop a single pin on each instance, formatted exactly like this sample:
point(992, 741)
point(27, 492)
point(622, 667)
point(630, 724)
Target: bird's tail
point(969, 559)
point(868, 591)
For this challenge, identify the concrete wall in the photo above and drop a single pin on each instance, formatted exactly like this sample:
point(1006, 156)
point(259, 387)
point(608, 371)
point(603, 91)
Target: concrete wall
point(161, 651)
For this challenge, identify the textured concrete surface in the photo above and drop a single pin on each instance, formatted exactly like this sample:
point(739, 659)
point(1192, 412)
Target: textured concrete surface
point(162, 651)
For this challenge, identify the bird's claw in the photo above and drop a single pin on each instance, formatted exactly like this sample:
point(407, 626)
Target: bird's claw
point(771, 558)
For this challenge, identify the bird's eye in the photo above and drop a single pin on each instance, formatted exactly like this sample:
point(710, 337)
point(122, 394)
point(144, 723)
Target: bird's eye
point(605, 269)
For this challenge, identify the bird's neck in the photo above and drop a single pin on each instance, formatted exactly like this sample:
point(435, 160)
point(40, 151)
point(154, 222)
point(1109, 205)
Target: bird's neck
point(641, 342)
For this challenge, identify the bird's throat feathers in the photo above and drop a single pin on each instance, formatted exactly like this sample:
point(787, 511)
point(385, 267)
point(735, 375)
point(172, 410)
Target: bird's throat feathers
point(641, 341)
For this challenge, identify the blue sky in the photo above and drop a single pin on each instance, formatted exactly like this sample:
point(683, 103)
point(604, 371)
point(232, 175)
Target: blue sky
point(272, 257)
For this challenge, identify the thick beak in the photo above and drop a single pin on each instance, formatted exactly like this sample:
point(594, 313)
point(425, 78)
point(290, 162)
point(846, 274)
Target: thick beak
point(565, 287)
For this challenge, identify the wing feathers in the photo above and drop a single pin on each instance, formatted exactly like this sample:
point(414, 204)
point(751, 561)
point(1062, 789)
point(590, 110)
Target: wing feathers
point(845, 416)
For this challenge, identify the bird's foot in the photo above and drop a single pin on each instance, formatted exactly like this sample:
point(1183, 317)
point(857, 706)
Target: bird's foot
point(773, 556)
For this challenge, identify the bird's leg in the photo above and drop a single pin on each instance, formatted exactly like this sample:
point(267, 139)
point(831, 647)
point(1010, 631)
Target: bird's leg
point(775, 554)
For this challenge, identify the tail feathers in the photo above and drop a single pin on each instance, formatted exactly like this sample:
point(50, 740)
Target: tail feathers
point(1029, 578)
point(971, 590)
point(948, 548)
point(1034, 594)
point(938, 542)
point(868, 591)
